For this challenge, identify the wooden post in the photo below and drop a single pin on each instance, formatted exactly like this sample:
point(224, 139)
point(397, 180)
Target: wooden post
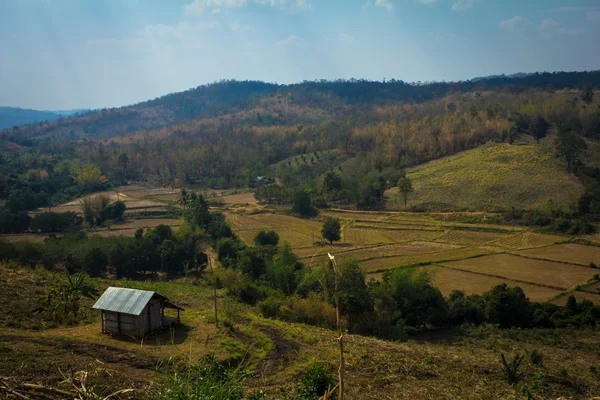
point(215, 299)
point(339, 328)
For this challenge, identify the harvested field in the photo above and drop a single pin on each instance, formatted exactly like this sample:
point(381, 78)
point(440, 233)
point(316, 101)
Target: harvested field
point(568, 252)
point(438, 256)
point(243, 222)
point(579, 296)
point(594, 287)
point(470, 237)
point(527, 240)
point(448, 280)
point(241, 198)
point(24, 237)
point(522, 269)
point(145, 223)
point(307, 252)
point(400, 235)
point(365, 236)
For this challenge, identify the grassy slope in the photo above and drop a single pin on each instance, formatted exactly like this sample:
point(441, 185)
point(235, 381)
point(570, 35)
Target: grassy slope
point(440, 367)
point(493, 176)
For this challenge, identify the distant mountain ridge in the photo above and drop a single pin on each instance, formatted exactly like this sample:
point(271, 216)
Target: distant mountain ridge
point(15, 116)
point(329, 98)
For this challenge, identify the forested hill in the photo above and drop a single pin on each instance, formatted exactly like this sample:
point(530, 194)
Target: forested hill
point(14, 116)
point(330, 97)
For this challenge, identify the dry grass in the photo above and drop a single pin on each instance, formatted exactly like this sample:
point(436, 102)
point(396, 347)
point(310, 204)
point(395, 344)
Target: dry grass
point(562, 276)
point(365, 236)
point(438, 256)
point(527, 240)
point(241, 198)
point(492, 176)
point(568, 252)
point(23, 237)
point(448, 280)
point(580, 296)
point(470, 237)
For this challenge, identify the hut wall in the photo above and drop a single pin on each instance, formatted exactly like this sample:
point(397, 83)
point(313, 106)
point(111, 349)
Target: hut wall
point(129, 324)
point(153, 312)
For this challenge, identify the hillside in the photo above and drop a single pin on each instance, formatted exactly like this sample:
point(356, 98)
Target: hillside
point(13, 116)
point(458, 364)
point(495, 176)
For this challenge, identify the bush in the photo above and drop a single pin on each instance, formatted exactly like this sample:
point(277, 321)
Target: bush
point(315, 381)
point(56, 222)
point(311, 311)
point(266, 238)
point(511, 369)
point(95, 262)
point(208, 379)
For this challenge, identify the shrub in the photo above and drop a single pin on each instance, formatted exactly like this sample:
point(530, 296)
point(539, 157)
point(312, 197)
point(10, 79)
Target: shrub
point(208, 379)
point(331, 229)
point(315, 381)
point(95, 262)
point(511, 370)
point(311, 311)
point(264, 238)
point(56, 222)
point(537, 358)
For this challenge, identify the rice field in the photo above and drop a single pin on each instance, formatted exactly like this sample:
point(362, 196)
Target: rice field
point(557, 275)
point(526, 240)
point(448, 280)
point(411, 259)
point(568, 252)
point(365, 236)
point(470, 237)
point(579, 296)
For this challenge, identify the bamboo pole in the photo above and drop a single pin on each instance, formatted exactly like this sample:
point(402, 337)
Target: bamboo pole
point(339, 328)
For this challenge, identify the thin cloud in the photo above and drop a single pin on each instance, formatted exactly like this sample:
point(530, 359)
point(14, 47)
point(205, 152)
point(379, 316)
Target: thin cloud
point(514, 23)
point(427, 2)
point(345, 38)
point(384, 4)
point(464, 5)
point(292, 41)
point(197, 7)
point(237, 26)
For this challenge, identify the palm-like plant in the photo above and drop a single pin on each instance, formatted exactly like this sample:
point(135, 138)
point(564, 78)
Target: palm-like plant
point(64, 298)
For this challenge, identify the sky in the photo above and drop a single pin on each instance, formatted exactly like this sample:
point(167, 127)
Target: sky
point(65, 54)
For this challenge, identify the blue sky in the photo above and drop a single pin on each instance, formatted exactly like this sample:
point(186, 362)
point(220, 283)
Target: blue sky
point(61, 54)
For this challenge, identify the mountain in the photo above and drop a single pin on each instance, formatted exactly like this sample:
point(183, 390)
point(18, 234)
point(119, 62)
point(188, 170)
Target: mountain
point(330, 97)
point(15, 116)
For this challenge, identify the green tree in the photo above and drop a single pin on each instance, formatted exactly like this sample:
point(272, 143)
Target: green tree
point(569, 145)
point(587, 95)
point(331, 182)
point(405, 187)
point(64, 299)
point(539, 128)
point(95, 262)
point(508, 307)
point(170, 257)
point(331, 229)
point(266, 238)
point(302, 204)
point(355, 298)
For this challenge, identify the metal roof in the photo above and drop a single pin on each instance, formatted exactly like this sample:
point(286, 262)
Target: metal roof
point(123, 300)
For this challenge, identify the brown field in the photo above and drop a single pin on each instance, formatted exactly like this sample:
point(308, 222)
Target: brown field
point(23, 237)
point(243, 222)
point(580, 296)
point(113, 233)
point(528, 240)
point(400, 235)
point(592, 238)
point(241, 198)
point(365, 236)
point(470, 237)
point(448, 280)
point(568, 252)
point(594, 287)
point(438, 256)
point(145, 223)
point(522, 269)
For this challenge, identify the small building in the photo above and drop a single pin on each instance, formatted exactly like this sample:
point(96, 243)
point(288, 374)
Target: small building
point(134, 312)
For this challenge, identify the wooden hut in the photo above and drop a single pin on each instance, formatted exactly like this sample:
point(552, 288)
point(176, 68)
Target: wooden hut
point(134, 312)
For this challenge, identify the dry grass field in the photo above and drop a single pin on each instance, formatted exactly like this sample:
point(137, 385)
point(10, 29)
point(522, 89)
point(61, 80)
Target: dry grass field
point(568, 252)
point(448, 280)
point(526, 240)
point(557, 275)
point(470, 237)
point(580, 296)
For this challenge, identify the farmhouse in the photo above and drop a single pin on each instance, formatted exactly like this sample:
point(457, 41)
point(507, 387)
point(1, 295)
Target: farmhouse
point(134, 312)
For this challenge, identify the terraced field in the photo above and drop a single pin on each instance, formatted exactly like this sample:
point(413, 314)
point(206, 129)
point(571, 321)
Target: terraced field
point(568, 252)
point(580, 296)
point(557, 275)
point(470, 257)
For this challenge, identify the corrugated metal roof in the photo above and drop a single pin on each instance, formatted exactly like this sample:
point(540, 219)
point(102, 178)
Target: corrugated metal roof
point(123, 300)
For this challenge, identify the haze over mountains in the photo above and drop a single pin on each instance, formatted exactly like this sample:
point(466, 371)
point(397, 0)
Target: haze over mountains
point(15, 116)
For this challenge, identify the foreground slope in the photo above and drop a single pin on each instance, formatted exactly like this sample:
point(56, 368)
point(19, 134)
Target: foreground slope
point(493, 176)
